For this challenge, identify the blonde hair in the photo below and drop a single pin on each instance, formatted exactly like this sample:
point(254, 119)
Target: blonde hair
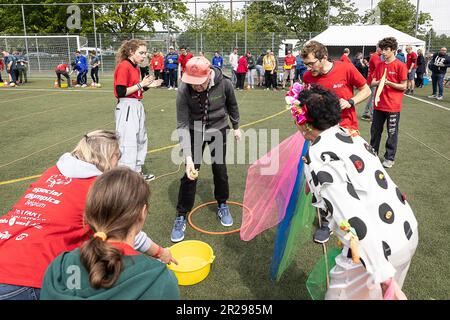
point(113, 207)
point(127, 48)
point(98, 147)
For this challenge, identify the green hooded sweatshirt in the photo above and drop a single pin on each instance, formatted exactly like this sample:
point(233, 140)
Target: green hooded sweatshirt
point(142, 278)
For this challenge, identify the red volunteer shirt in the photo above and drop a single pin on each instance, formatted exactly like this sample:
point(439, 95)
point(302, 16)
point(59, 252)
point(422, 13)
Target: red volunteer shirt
point(127, 74)
point(45, 222)
point(391, 99)
point(289, 61)
point(183, 59)
point(375, 59)
point(341, 79)
point(410, 59)
point(62, 67)
point(345, 58)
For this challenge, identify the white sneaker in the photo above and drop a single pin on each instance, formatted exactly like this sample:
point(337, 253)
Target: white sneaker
point(77, 86)
point(176, 89)
point(84, 86)
point(169, 88)
point(388, 163)
point(440, 97)
point(433, 96)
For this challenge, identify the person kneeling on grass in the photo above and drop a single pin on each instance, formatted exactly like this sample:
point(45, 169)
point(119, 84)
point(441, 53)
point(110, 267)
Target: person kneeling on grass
point(107, 266)
point(48, 219)
point(363, 205)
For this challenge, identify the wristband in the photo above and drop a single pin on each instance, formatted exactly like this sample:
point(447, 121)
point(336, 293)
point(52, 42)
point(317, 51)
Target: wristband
point(139, 86)
point(158, 253)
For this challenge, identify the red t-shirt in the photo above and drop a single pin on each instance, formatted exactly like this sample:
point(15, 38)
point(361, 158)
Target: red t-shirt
point(341, 79)
point(289, 61)
point(410, 59)
point(127, 74)
point(45, 222)
point(62, 67)
point(183, 59)
point(390, 98)
point(345, 58)
point(375, 59)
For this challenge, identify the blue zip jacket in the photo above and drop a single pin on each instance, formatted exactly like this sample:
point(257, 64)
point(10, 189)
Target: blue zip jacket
point(81, 62)
point(171, 64)
point(217, 62)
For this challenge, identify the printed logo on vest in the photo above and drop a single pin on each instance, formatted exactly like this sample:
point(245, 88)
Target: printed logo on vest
point(58, 179)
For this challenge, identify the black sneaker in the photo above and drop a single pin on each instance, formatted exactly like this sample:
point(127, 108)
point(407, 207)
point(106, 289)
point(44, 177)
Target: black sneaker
point(148, 176)
point(322, 235)
point(366, 117)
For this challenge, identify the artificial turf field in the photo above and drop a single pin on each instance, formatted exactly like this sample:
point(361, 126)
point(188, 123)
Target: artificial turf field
point(39, 123)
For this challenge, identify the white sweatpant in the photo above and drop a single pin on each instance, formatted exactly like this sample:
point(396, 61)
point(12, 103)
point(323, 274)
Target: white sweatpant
point(351, 281)
point(131, 127)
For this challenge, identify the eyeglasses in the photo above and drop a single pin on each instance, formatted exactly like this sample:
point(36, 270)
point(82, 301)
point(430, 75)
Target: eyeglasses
point(311, 64)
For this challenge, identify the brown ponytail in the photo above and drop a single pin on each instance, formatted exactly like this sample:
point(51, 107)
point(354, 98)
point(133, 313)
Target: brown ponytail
point(114, 205)
point(127, 48)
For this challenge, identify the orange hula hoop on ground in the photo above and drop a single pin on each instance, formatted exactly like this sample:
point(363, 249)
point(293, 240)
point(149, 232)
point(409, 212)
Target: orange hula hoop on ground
point(213, 232)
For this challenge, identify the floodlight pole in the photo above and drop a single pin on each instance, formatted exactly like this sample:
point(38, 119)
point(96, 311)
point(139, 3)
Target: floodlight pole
point(328, 14)
point(417, 18)
point(25, 34)
point(245, 27)
point(95, 27)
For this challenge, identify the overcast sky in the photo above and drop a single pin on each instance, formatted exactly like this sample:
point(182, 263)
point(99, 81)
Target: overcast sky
point(439, 10)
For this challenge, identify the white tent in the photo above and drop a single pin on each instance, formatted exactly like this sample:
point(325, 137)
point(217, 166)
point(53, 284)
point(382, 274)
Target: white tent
point(364, 35)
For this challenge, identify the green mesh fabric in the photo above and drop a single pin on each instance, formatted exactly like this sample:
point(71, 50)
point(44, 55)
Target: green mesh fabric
point(299, 231)
point(317, 279)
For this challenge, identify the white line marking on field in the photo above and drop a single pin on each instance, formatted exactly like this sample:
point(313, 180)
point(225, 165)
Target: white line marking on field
point(60, 90)
point(423, 143)
point(432, 103)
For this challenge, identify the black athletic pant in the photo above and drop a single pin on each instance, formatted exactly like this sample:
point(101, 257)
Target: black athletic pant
point(419, 79)
point(173, 74)
point(393, 120)
point(157, 74)
point(94, 74)
point(268, 79)
point(240, 80)
point(186, 195)
point(65, 74)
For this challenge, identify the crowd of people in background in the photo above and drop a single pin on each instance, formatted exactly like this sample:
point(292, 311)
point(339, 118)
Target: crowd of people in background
point(16, 66)
point(263, 70)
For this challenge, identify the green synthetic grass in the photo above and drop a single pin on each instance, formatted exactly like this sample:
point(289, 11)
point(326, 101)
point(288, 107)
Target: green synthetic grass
point(36, 127)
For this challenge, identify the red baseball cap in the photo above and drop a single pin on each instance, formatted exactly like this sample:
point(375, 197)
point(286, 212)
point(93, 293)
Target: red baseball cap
point(197, 70)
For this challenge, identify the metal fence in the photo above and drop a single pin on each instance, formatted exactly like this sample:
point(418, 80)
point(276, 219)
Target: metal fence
point(46, 51)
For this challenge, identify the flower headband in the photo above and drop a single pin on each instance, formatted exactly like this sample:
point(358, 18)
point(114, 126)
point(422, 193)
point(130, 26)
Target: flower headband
point(298, 111)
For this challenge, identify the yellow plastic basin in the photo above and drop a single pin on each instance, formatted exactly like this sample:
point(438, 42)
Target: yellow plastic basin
point(194, 261)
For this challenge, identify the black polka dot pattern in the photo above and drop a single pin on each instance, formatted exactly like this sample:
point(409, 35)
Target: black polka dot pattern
point(316, 141)
point(386, 213)
point(362, 262)
point(360, 227)
point(322, 212)
point(306, 159)
point(349, 253)
point(370, 149)
point(408, 231)
point(332, 155)
point(315, 179)
point(357, 162)
point(328, 205)
point(400, 195)
point(314, 199)
point(386, 250)
point(324, 177)
point(344, 137)
point(352, 191)
point(381, 179)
